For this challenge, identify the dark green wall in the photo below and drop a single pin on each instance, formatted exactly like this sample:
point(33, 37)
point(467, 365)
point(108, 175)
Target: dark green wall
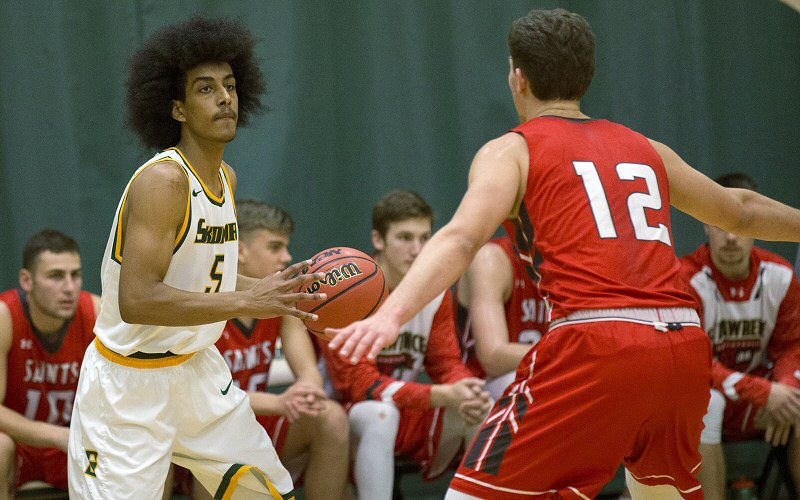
point(373, 95)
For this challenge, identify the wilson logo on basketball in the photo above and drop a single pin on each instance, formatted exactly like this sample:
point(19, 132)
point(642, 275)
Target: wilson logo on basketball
point(336, 275)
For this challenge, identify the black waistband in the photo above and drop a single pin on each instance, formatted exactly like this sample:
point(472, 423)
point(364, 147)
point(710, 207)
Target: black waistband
point(151, 355)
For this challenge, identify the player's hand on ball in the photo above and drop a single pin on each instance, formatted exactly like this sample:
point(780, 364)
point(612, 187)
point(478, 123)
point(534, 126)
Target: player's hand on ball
point(275, 295)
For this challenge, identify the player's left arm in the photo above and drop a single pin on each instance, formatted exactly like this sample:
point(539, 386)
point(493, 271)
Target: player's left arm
point(739, 211)
point(299, 352)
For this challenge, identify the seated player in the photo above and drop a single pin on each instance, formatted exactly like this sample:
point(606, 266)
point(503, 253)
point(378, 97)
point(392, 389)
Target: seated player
point(309, 432)
point(750, 301)
point(45, 326)
point(391, 412)
point(501, 314)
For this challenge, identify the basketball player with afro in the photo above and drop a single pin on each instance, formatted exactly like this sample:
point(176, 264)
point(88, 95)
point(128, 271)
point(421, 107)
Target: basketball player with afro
point(153, 388)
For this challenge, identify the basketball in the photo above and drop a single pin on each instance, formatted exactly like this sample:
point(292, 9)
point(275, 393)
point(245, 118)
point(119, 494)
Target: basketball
point(355, 286)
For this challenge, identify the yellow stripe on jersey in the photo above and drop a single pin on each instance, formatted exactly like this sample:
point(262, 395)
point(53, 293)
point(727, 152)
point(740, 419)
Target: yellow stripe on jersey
point(187, 217)
point(231, 480)
point(119, 359)
point(118, 244)
point(218, 199)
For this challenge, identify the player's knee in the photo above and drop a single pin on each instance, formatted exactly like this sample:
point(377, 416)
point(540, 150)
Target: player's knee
point(375, 418)
point(8, 451)
point(712, 432)
point(334, 422)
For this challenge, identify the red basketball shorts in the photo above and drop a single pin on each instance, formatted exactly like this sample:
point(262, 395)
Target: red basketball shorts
point(589, 396)
point(41, 464)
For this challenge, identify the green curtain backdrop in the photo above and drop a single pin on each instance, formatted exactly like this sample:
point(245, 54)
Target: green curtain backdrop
point(372, 95)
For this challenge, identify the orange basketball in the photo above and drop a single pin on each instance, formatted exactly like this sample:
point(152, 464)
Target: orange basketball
point(355, 286)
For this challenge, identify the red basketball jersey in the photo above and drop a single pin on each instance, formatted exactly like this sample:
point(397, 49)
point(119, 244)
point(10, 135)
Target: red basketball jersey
point(249, 358)
point(42, 385)
point(598, 198)
point(526, 310)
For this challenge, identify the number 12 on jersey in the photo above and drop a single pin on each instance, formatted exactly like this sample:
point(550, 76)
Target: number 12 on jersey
point(637, 202)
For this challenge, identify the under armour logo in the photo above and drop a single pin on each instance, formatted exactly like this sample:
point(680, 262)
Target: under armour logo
point(91, 470)
point(26, 344)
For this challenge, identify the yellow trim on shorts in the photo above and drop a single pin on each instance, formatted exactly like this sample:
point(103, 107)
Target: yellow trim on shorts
point(119, 359)
point(234, 482)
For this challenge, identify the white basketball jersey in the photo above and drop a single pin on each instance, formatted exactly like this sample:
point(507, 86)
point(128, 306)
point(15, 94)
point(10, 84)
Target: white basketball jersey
point(204, 260)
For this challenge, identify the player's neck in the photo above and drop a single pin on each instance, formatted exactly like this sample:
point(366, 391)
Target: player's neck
point(393, 278)
point(205, 157)
point(45, 324)
point(536, 108)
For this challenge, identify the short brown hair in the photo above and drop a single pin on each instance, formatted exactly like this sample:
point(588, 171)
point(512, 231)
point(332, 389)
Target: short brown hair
point(47, 240)
point(397, 206)
point(555, 51)
point(252, 215)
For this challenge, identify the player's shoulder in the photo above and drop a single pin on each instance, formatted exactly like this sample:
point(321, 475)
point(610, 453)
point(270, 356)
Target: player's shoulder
point(694, 262)
point(764, 255)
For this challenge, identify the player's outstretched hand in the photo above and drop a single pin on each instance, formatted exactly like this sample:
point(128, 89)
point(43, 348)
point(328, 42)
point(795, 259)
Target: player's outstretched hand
point(276, 294)
point(777, 433)
point(367, 336)
point(783, 403)
point(302, 398)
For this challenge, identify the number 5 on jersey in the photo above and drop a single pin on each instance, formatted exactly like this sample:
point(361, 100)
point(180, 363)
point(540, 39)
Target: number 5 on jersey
point(215, 274)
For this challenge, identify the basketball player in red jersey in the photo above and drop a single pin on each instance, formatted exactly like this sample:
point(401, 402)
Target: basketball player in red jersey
point(309, 432)
point(624, 331)
point(392, 412)
point(750, 301)
point(501, 314)
point(45, 327)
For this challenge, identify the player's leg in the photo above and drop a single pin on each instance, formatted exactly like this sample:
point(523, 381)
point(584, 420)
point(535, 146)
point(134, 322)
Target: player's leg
point(8, 460)
point(219, 439)
point(794, 457)
point(666, 447)
point(373, 432)
point(120, 447)
point(498, 385)
point(321, 444)
point(713, 473)
point(456, 434)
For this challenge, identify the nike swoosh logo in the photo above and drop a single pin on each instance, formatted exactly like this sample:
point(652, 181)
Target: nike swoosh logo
point(227, 388)
point(195, 193)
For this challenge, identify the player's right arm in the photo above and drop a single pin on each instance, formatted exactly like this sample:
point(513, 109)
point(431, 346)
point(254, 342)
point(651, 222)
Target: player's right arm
point(739, 211)
point(488, 284)
point(17, 426)
point(496, 184)
point(155, 209)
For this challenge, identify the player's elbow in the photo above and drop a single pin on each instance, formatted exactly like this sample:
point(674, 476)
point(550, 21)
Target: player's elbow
point(132, 307)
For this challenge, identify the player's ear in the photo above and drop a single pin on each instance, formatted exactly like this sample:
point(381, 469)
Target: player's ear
point(521, 81)
point(25, 280)
point(177, 111)
point(377, 240)
point(242, 253)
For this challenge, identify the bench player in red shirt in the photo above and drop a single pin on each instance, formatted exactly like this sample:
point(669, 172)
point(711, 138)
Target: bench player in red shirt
point(750, 305)
point(623, 374)
point(45, 326)
point(500, 312)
